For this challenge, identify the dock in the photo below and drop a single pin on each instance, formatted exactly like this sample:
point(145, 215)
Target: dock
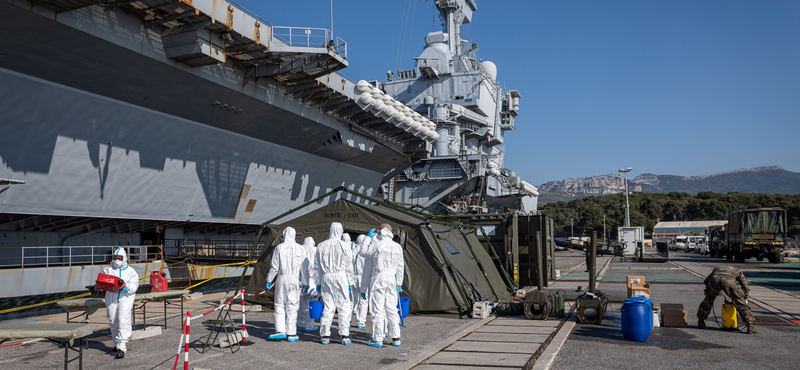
point(447, 342)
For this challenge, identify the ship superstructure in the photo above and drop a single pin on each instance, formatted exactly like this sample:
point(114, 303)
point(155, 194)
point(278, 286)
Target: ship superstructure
point(172, 127)
point(465, 171)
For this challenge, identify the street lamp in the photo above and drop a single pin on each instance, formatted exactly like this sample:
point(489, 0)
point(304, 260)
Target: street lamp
point(571, 233)
point(627, 204)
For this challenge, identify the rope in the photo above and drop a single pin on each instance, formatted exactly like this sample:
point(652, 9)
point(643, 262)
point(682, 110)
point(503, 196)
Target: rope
point(223, 265)
point(211, 278)
point(43, 303)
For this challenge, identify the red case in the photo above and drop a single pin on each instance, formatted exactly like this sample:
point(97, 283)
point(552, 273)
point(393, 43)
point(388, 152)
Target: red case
point(158, 280)
point(109, 283)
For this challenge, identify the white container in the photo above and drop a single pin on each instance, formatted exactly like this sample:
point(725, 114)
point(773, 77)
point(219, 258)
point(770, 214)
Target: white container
point(656, 319)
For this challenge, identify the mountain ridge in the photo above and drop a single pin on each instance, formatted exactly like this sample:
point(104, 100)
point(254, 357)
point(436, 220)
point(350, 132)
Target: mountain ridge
point(763, 179)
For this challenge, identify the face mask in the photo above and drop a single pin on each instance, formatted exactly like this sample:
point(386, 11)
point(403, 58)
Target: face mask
point(117, 263)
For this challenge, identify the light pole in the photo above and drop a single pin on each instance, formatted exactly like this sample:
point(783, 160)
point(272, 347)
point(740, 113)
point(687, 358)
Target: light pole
point(604, 229)
point(627, 204)
point(571, 233)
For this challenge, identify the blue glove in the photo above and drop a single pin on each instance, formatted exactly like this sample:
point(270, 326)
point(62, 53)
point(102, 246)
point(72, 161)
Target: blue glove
point(125, 290)
point(269, 285)
point(371, 233)
point(319, 288)
point(363, 295)
point(399, 289)
point(350, 288)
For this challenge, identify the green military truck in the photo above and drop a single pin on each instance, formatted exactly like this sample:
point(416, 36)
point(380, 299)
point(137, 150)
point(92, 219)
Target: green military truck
point(716, 241)
point(755, 232)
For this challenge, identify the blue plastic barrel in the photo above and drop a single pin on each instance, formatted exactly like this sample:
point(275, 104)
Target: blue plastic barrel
point(649, 304)
point(315, 309)
point(636, 320)
point(404, 306)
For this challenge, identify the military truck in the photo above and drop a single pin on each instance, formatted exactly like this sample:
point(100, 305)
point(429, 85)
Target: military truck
point(756, 232)
point(716, 241)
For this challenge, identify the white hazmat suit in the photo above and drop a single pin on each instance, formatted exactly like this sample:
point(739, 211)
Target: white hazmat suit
point(360, 306)
point(118, 304)
point(304, 320)
point(287, 261)
point(334, 268)
point(383, 273)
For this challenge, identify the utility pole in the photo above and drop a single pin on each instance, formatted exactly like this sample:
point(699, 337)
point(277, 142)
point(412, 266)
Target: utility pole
point(604, 229)
point(627, 204)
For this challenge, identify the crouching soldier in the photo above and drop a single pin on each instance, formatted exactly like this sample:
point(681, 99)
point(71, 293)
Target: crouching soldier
point(731, 281)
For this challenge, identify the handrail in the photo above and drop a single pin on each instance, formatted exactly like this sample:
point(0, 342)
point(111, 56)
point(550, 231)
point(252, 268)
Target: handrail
point(47, 256)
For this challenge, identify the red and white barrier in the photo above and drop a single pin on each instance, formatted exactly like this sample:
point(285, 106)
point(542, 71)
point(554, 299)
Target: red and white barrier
point(25, 342)
point(187, 321)
point(186, 348)
point(244, 328)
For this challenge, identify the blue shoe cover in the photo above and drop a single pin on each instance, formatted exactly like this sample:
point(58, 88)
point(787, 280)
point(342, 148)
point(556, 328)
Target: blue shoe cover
point(375, 344)
point(346, 341)
point(360, 327)
point(300, 328)
point(277, 336)
point(316, 328)
point(293, 338)
point(325, 341)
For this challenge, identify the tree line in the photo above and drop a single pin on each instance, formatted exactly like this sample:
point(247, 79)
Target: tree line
point(647, 209)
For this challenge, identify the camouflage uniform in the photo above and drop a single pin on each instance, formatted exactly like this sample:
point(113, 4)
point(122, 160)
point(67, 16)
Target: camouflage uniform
point(726, 279)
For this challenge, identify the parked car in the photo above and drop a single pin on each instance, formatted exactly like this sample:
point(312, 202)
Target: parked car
point(691, 243)
point(701, 247)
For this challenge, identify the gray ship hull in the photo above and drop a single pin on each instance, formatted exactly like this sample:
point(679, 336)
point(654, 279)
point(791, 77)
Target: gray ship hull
point(119, 143)
point(97, 129)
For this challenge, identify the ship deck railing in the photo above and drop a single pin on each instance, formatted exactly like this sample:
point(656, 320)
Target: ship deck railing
point(310, 38)
point(211, 250)
point(79, 255)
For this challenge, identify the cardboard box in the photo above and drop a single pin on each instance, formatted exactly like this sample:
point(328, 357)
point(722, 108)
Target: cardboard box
point(635, 280)
point(673, 315)
point(642, 291)
point(637, 287)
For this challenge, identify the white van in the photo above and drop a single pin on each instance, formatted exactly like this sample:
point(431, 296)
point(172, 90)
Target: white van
point(680, 242)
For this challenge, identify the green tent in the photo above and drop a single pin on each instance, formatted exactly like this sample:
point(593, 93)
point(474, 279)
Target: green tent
point(431, 286)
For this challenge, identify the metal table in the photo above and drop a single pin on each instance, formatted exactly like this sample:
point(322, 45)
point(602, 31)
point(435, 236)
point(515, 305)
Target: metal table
point(142, 299)
point(67, 333)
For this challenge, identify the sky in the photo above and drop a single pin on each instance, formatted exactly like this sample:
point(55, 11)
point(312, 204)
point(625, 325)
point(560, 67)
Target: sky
point(667, 87)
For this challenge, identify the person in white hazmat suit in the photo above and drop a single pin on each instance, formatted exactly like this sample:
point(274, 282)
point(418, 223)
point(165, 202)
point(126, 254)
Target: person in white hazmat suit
point(119, 304)
point(384, 269)
point(334, 265)
point(360, 304)
point(287, 261)
point(349, 243)
point(308, 290)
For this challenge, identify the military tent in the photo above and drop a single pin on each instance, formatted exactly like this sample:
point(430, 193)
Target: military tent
point(431, 286)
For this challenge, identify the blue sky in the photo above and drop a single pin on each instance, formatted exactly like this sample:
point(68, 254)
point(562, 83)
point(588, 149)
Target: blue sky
point(666, 87)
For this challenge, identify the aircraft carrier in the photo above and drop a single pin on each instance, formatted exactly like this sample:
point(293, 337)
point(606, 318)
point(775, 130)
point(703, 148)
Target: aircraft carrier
point(175, 128)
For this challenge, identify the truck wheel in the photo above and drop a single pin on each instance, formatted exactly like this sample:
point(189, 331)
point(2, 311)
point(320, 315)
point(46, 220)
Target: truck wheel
point(775, 257)
point(739, 257)
point(761, 258)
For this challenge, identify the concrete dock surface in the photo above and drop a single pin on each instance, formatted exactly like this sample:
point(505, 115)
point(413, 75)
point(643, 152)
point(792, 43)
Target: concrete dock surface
point(447, 342)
